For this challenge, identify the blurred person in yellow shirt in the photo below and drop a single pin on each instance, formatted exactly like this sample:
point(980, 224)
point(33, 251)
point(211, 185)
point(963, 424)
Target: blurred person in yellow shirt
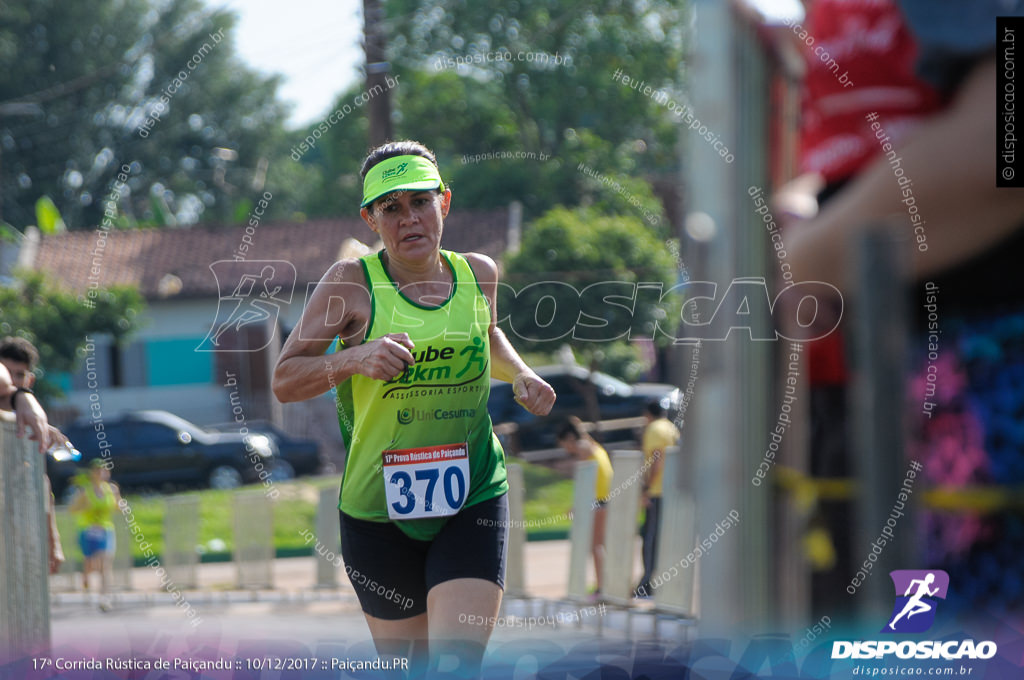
point(659, 435)
point(93, 506)
point(573, 438)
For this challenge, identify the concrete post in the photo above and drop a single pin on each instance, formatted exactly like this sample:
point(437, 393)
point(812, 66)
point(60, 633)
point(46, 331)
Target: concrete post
point(728, 419)
point(515, 572)
point(254, 539)
point(328, 532)
point(675, 541)
point(582, 530)
point(121, 573)
point(181, 534)
point(620, 539)
point(24, 589)
point(880, 340)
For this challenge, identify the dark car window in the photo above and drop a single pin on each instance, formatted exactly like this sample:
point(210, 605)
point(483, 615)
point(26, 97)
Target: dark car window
point(153, 434)
point(87, 440)
point(569, 391)
point(500, 403)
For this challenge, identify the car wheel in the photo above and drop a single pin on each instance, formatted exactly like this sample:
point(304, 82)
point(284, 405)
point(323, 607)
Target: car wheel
point(282, 471)
point(225, 477)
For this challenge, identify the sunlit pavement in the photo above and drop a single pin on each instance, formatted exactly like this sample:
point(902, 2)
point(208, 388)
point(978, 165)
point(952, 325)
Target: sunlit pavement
point(296, 616)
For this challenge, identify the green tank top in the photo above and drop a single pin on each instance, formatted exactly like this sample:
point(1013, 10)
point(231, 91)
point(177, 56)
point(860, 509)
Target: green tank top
point(421, 445)
point(99, 511)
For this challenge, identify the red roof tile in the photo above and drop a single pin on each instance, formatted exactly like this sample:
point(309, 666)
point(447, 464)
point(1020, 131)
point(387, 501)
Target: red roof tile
point(145, 257)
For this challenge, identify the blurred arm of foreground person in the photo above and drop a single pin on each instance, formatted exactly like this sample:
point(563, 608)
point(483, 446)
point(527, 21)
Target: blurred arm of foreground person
point(951, 162)
point(27, 413)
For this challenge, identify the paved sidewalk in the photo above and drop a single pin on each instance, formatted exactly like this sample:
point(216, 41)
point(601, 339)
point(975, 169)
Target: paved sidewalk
point(547, 572)
point(266, 639)
point(295, 612)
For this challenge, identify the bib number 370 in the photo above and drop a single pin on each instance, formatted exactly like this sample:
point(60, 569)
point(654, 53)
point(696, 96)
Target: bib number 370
point(432, 481)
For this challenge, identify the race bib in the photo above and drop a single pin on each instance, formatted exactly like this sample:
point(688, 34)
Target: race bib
point(432, 481)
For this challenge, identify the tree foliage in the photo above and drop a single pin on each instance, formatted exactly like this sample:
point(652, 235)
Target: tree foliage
point(57, 321)
point(546, 98)
point(574, 281)
point(519, 129)
point(78, 83)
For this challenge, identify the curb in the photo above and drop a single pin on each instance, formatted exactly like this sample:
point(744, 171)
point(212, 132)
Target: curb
point(307, 551)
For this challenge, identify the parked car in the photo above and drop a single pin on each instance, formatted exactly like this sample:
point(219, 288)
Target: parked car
point(296, 455)
point(615, 399)
point(157, 449)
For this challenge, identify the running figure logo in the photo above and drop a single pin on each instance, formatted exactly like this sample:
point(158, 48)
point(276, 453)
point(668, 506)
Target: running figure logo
point(476, 356)
point(916, 593)
point(251, 292)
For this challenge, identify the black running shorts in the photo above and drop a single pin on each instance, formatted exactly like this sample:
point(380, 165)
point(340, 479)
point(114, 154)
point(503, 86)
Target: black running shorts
point(392, 573)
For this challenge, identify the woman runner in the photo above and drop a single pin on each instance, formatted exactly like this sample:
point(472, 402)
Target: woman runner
point(94, 505)
point(423, 501)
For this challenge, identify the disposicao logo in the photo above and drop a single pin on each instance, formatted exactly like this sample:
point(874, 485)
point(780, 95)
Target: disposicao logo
point(917, 594)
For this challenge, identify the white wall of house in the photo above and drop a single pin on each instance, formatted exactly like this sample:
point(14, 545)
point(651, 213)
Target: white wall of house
point(178, 318)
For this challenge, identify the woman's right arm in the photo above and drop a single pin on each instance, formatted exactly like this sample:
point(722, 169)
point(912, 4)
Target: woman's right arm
point(338, 307)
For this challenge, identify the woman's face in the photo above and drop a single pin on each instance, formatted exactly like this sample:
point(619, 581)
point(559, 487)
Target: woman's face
point(409, 223)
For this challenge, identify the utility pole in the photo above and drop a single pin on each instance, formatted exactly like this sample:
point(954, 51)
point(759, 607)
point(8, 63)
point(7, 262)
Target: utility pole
point(377, 70)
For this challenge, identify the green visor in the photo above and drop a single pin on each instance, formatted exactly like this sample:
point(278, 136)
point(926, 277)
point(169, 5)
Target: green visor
point(409, 173)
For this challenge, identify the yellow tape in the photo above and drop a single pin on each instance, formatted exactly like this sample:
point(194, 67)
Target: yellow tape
point(981, 499)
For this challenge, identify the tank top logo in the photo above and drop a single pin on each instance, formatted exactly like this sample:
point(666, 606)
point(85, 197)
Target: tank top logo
point(422, 373)
point(476, 356)
point(441, 368)
point(407, 415)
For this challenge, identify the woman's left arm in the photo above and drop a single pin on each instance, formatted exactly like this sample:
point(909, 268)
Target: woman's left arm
point(532, 393)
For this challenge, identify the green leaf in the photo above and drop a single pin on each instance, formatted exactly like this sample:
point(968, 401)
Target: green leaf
point(242, 210)
point(162, 214)
point(8, 234)
point(48, 218)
